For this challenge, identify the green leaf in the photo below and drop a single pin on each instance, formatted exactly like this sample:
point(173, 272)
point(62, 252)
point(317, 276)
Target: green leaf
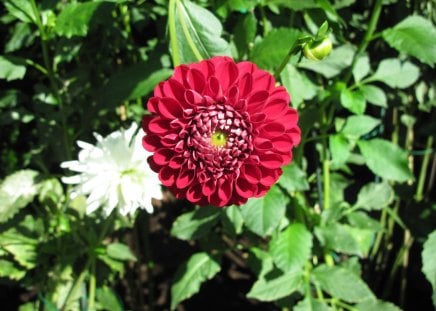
point(311, 304)
point(375, 196)
point(282, 39)
point(274, 288)
point(133, 82)
point(341, 283)
point(245, 32)
point(357, 126)
point(107, 299)
point(16, 192)
point(361, 68)
point(232, 217)
point(120, 251)
point(353, 101)
point(195, 224)
point(296, 5)
point(386, 159)
point(9, 269)
point(395, 74)
point(339, 59)
point(415, 36)
point(379, 305)
point(374, 95)
point(293, 179)
point(291, 248)
point(263, 215)
point(195, 33)
point(344, 239)
point(75, 19)
point(190, 275)
point(21, 9)
point(339, 148)
point(12, 68)
point(429, 262)
point(361, 220)
point(298, 85)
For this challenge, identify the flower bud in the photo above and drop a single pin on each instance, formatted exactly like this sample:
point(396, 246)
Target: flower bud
point(317, 50)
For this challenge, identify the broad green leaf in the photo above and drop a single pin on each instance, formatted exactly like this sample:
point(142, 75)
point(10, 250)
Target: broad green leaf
point(120, 251)
point(16, 192)
point(274, 288)
point(379, 305)
point(107, 299)
point(415, 36)
point(282, 39)
point(298, 85)
point(339, 59)
point(293, 179)
point(10, 270)
point(361, 68)
point(374, 95)
point(395, 74)
point(359, 219)
point(195, 33)
point(429, 262)
point(263, 215)
point(245, 32)
point(357, 126)
point(353, 101)
point(75, 19)
point(24, 251)
point(385, 159)
point(21, 9)
point(12, 68)
point(232, 216)
point(339, 148)
point(341, 283)
point(190, 275)
point(375, 196)
point(133, 82)
point(195, 224)
point(311, 304)
point(296, 5)
point(291, 248)
point(260, 262)
point(340, 238)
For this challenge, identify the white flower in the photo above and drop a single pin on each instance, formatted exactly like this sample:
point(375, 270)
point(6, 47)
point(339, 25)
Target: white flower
point(115, 173)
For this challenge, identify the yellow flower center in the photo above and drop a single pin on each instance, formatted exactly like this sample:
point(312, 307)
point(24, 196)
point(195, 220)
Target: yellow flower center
point(218, 139)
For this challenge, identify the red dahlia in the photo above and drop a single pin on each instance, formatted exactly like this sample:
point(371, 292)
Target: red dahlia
point(220, 131)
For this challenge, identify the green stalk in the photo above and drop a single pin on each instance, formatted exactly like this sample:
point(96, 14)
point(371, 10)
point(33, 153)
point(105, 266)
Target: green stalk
point(172, 32)
point(423, 172)
point(294, 49)
point(188, 36)
point(92, 285)
point(372, 25)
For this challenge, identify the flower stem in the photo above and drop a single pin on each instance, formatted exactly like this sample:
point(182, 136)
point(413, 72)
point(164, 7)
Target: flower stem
point(423, 172)
point(92, 285)
point(294, 49)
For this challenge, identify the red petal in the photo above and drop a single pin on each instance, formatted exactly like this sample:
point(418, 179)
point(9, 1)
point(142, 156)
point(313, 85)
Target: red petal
point(163, 156)
point(271, 160)
point(185, 178)
point(245, 189)
point(196, 80)
point(263, 80)
point(151, 142)
point(271, 130)
point(251, 173)
point(245, 85)
point(209, 187)
point(226, 73)
point(194, 193)
point(213, 88)
point(257, 100)
point(177, 161)
point(170, 108)
point(158, 126)
point(167, 176)
point(193, 98)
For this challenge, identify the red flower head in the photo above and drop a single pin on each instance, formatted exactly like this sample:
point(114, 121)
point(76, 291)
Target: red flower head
point(220, 131)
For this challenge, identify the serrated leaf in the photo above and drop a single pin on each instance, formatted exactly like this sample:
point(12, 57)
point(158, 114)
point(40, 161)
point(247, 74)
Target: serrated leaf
point(385, 159)
point(379, 305)
point(339, 148)
point(375, 196)
point(21, 9)
point(298, 85)
point(195, 33)
point(291, 248)
point(16, 191)
point(190, 275)
point(353, 100)
point(195, 224)
point(311, 304)
point(282, 39)
point(339, 59)
point(293, 179)
point(415, 36)
point(75, 19)
point(361, 68)
point(12, 68)
point(263, 215)
point(357, 126)
point(9, 269)
point(133, 82)
point(429, 262)
point(395, 74)
point(274, 288)
point(341, 283)
point(120, 251)
point(339, 237)
point(374, 95)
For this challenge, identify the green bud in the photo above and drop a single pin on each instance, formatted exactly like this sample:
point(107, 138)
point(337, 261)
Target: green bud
point(317, 50)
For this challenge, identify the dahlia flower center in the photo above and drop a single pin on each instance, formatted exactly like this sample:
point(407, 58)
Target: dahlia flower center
point(218, 139)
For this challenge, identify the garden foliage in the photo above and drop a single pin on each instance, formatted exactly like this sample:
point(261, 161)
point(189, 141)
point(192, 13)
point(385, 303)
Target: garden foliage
point(350, 224)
